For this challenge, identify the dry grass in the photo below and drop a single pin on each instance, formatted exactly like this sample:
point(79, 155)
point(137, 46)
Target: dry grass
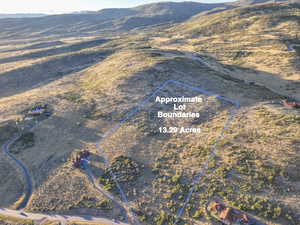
point(252, 171)
point(85, 223)
point(7, 219)
point(115, 69)
point(258, 149)
point(256, 37)
point(12, 189)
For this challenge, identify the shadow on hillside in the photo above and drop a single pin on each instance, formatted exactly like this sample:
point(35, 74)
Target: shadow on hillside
point(55, 51)
point(26, 78)
point(36, 46)
point(24, 41)
point(7, 129)
point(97, 158)
point(11, 187)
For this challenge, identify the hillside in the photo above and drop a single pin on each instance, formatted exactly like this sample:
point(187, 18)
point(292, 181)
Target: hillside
point(264, 37)
point(184, 154)
point(91, 143)
point(109, 20)
point(253, 2)
point(92, 100)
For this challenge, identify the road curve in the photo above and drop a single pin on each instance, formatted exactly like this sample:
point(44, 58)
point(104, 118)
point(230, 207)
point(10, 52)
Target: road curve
point(21, 166)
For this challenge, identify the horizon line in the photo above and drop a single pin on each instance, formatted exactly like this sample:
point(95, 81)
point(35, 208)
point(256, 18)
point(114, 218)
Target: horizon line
point(54, 12)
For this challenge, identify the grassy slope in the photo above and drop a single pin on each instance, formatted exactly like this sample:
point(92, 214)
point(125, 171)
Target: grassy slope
point(45, 158)
point(101, 94)
point(255, 37)
point(112, 80)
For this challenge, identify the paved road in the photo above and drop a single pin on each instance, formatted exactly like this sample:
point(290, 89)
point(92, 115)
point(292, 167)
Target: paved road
point(64, 219)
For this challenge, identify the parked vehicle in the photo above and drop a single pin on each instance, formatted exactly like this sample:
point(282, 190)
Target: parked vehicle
point(291, 104)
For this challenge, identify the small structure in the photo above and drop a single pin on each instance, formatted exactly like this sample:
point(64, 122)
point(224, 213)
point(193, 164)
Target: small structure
point(228, 215)
point(81, 157)
point(291, 104)
point(37, 112)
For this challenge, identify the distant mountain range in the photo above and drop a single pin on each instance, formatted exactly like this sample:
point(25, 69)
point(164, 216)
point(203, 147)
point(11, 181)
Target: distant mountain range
point(21, 15)
point(110, 20)
point(122, 19)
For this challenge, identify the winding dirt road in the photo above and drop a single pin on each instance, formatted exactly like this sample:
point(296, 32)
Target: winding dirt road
point(41, 218)
point(21, 166)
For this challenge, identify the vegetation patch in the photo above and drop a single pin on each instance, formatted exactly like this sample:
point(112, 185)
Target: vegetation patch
point(237, 54)
point(89, 202)
point(124, 168)
point(74, 97)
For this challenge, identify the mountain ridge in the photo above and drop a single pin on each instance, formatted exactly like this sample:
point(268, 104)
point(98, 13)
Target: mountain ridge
point(21, 15)
point(111, 20)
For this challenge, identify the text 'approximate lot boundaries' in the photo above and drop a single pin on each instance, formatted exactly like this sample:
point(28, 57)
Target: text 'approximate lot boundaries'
point(214, 149)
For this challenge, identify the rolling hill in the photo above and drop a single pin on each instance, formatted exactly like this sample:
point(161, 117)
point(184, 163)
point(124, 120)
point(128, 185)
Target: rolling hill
point(253, 2)
point(110, 20)
point(265, 37)
point(100, 90)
